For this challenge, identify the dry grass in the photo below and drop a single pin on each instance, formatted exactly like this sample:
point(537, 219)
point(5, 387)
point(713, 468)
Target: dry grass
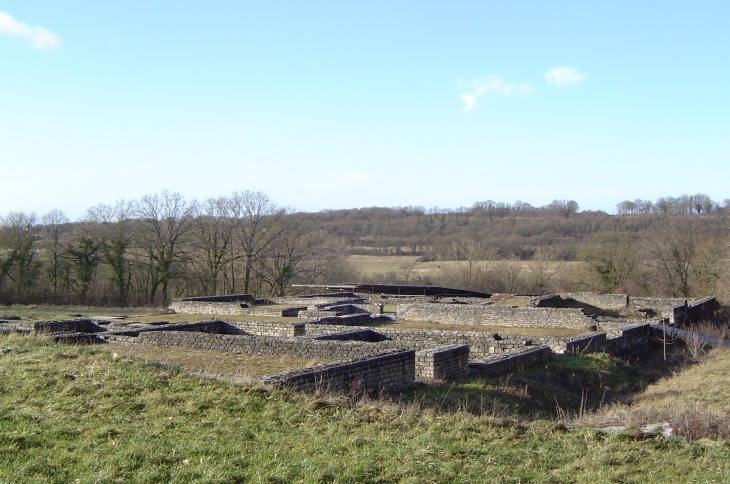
point(195, 360)
point(695, 401)
point(369, 265)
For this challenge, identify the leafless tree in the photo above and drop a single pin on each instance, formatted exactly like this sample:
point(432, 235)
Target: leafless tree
point(54, 225)
point(113, 224)
point(164, 220)
point(674, 248)
point(612, 259)
point(211, 236)
point(255, 220)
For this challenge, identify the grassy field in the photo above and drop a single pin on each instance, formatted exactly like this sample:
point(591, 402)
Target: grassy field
point(369, 265)
point(75, 414)
point(42, 312)
point(195, 360)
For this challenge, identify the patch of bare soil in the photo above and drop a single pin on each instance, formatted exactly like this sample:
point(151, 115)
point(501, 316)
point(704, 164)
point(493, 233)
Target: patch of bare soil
point(196, 360)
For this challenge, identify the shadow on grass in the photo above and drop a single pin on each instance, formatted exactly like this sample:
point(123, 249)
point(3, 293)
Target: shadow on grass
point(564, 386)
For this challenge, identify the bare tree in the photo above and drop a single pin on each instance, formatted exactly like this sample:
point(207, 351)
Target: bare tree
point(211, 235)
point(612, 259)
point(255, 223)
point(285, 255)
point(114, 225)
point(674, 249)
point(543, 269)
point(566, 208)
point(467, 264)
point(54, 223)
point(164, 219)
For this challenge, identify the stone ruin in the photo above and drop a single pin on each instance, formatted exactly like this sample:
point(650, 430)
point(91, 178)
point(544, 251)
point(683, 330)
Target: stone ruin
point(339, 327)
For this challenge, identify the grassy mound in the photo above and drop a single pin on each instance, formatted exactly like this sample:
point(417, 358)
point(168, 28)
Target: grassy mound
point(75, 414)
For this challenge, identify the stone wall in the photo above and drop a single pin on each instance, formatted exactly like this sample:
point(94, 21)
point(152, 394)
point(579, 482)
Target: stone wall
point(495, 315)
point(270, 328)
point(481, 345)
point(316, 299)
point(547, 301)
point(442, 363)
point(599, 300)
point(66, 326)
point(332, 350)
point(231, 309)
point(509, 362)
point(629, 339)
point(350, 319)
point(382, 372)
point(246, 298)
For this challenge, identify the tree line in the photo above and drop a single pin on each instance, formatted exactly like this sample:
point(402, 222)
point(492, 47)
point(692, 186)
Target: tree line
point(148, 251)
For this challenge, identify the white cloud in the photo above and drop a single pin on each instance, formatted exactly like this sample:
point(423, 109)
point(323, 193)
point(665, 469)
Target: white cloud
point(38, 37)
point(481, 86)
point(562, 76)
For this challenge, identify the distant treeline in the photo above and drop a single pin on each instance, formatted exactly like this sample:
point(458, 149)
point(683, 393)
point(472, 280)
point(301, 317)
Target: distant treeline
point(147, 251)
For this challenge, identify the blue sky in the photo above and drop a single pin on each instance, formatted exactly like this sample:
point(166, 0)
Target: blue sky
point(352, 104)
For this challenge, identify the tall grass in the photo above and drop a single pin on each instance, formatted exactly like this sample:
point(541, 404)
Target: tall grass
point(74, 414)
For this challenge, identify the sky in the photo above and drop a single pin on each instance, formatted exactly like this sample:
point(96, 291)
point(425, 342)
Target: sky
point(326, 105)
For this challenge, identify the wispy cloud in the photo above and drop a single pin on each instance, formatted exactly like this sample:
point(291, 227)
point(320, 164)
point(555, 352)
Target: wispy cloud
point(490, 84)
point(38, 37)
point(562, 76)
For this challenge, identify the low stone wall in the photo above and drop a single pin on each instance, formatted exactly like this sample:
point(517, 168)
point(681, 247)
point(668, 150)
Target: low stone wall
point(442, 363)
point(230, 309)
point(599, 300)
point(481, 345)
point(332, 350)
point(66, 326)
point(270, 328)
point(247, 298)
point(701, 309)
point(656, 303)
point(339, 309)
point(495, 315)
point(629, 339)
point(357, 334)
point(383, 372)
point(317, 299)
point(502, 364)
point(349, 319)
point(548, 301)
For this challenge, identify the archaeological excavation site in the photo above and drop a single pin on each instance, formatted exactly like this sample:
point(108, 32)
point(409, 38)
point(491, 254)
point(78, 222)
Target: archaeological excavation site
point(382, 339)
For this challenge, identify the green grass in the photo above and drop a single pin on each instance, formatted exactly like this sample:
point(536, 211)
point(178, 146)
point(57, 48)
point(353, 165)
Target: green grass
point(44, 312)
point(72, 414)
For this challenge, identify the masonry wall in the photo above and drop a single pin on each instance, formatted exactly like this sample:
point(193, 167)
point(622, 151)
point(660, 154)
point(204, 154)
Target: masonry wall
point(599, 300)
point(70, 325)
point(495, 315)
point(270, 328)
point(509, 362)
point(383, 372)
point(230, 309)
point(267, 345)
point(442, 363)
point(481, 344)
